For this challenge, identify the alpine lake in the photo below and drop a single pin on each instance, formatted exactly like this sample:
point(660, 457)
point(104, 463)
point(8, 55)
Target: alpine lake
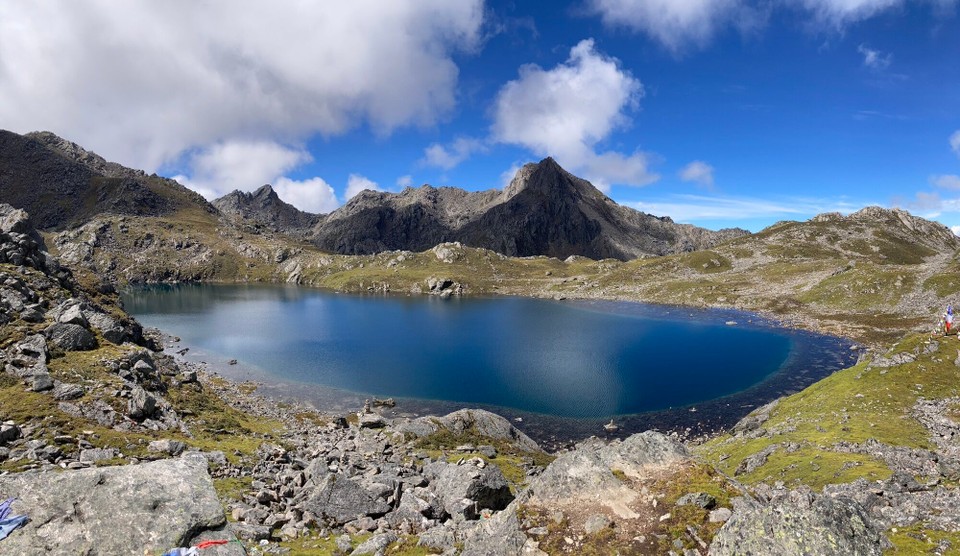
point(559, 369)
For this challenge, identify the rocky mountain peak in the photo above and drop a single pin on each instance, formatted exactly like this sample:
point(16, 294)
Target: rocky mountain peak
point(265, 208)
point(78, 154)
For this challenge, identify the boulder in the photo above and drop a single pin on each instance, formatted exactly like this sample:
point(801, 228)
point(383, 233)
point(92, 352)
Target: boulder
point(41, 382)
point(339, 500)
point(167, 446)
point(376, 544)
point(65, 391)
point(9, 432)
point(72, 314)
point(71, 337)
point(146, 508)
point(797, 523)
point(467, 489)
point(93, 455)
point(141, 404)
point(477, 421)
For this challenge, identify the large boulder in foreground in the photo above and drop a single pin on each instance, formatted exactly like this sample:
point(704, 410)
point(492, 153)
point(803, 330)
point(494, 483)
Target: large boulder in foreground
point(797, 523)
point(470, 421)
point(130, 509)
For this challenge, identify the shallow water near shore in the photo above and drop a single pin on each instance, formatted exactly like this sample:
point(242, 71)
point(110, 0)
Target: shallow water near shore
point(561, 368)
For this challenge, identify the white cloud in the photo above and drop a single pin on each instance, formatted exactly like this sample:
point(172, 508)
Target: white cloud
point(405, 181)
point(312, 195)
point(679, 24)
point(357, 183)
point(698, 172)
point(693, 208)
point(449, 157)
point(566, 111)
point(673, 23)
point(840, 13)
point(946, 181)
point(874, 59)
point(141, 81)
point(955, 230)
point(246, 165)
point(955, 142)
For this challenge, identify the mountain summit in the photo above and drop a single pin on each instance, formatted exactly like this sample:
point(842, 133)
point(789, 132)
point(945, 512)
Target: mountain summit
point(264, 207)
point(544, 210)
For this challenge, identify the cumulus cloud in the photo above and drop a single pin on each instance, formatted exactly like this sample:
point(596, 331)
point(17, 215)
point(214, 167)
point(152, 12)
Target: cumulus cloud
point(674, 23)
point(246, 165)
point(955, 142)
point(947, 181)
point(312, 195)
point(357, 183)
point(405, 181)
point(955, 230)
point(566, 111)
point(447, 158)
point(141, 82)
point(874, 59)
point(698, 172)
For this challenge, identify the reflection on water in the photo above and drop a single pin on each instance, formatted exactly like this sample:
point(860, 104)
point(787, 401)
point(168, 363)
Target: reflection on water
point(582, 360)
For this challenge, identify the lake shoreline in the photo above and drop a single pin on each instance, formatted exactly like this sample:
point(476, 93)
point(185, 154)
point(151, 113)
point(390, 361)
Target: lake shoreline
point(693, 423)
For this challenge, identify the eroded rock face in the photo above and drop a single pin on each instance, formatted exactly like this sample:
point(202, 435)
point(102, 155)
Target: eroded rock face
point(114, 510)
point(799, 522)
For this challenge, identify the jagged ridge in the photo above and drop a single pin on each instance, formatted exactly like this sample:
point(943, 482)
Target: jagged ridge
point(544, 211)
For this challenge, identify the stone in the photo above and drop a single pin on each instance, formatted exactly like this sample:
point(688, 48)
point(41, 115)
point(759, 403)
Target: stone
point(699, 499)
point(720, 515)
point(344, 544)
point(753, 462)
point(65, 391)
point(115, 510)
point(371, 421)
point(250, 532)
point(109, 327)
point(34, 346)
point(797, 523)
point(141, 404)
point(756, 418)
point(466, 489)
point(376, 544)
point(167, 446)
point(9, 432)
point(73, 315)
point(340, 500)
point(93, 455)
point(596, 523)
point(41, 382)
point(71, 337)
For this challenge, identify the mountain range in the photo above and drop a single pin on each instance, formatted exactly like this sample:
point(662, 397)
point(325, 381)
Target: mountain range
point(545, 210)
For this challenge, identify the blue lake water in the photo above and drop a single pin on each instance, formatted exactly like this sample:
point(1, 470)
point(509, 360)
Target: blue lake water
point(569, 359)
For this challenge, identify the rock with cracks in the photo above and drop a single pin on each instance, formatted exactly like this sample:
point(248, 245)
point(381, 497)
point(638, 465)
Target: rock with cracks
point(151, 507)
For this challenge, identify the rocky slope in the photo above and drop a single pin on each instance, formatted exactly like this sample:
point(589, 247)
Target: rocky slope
point(61, 185)
point(544, 211)
point(264, 208)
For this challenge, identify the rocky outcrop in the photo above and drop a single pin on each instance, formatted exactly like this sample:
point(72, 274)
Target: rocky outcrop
point(151, 507)
point(264, 208)
point(544, 211)
point(595, 486)
point(797, 523)
point(475, 421)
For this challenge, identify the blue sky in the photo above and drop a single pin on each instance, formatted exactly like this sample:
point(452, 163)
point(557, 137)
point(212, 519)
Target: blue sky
point(714, 112)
